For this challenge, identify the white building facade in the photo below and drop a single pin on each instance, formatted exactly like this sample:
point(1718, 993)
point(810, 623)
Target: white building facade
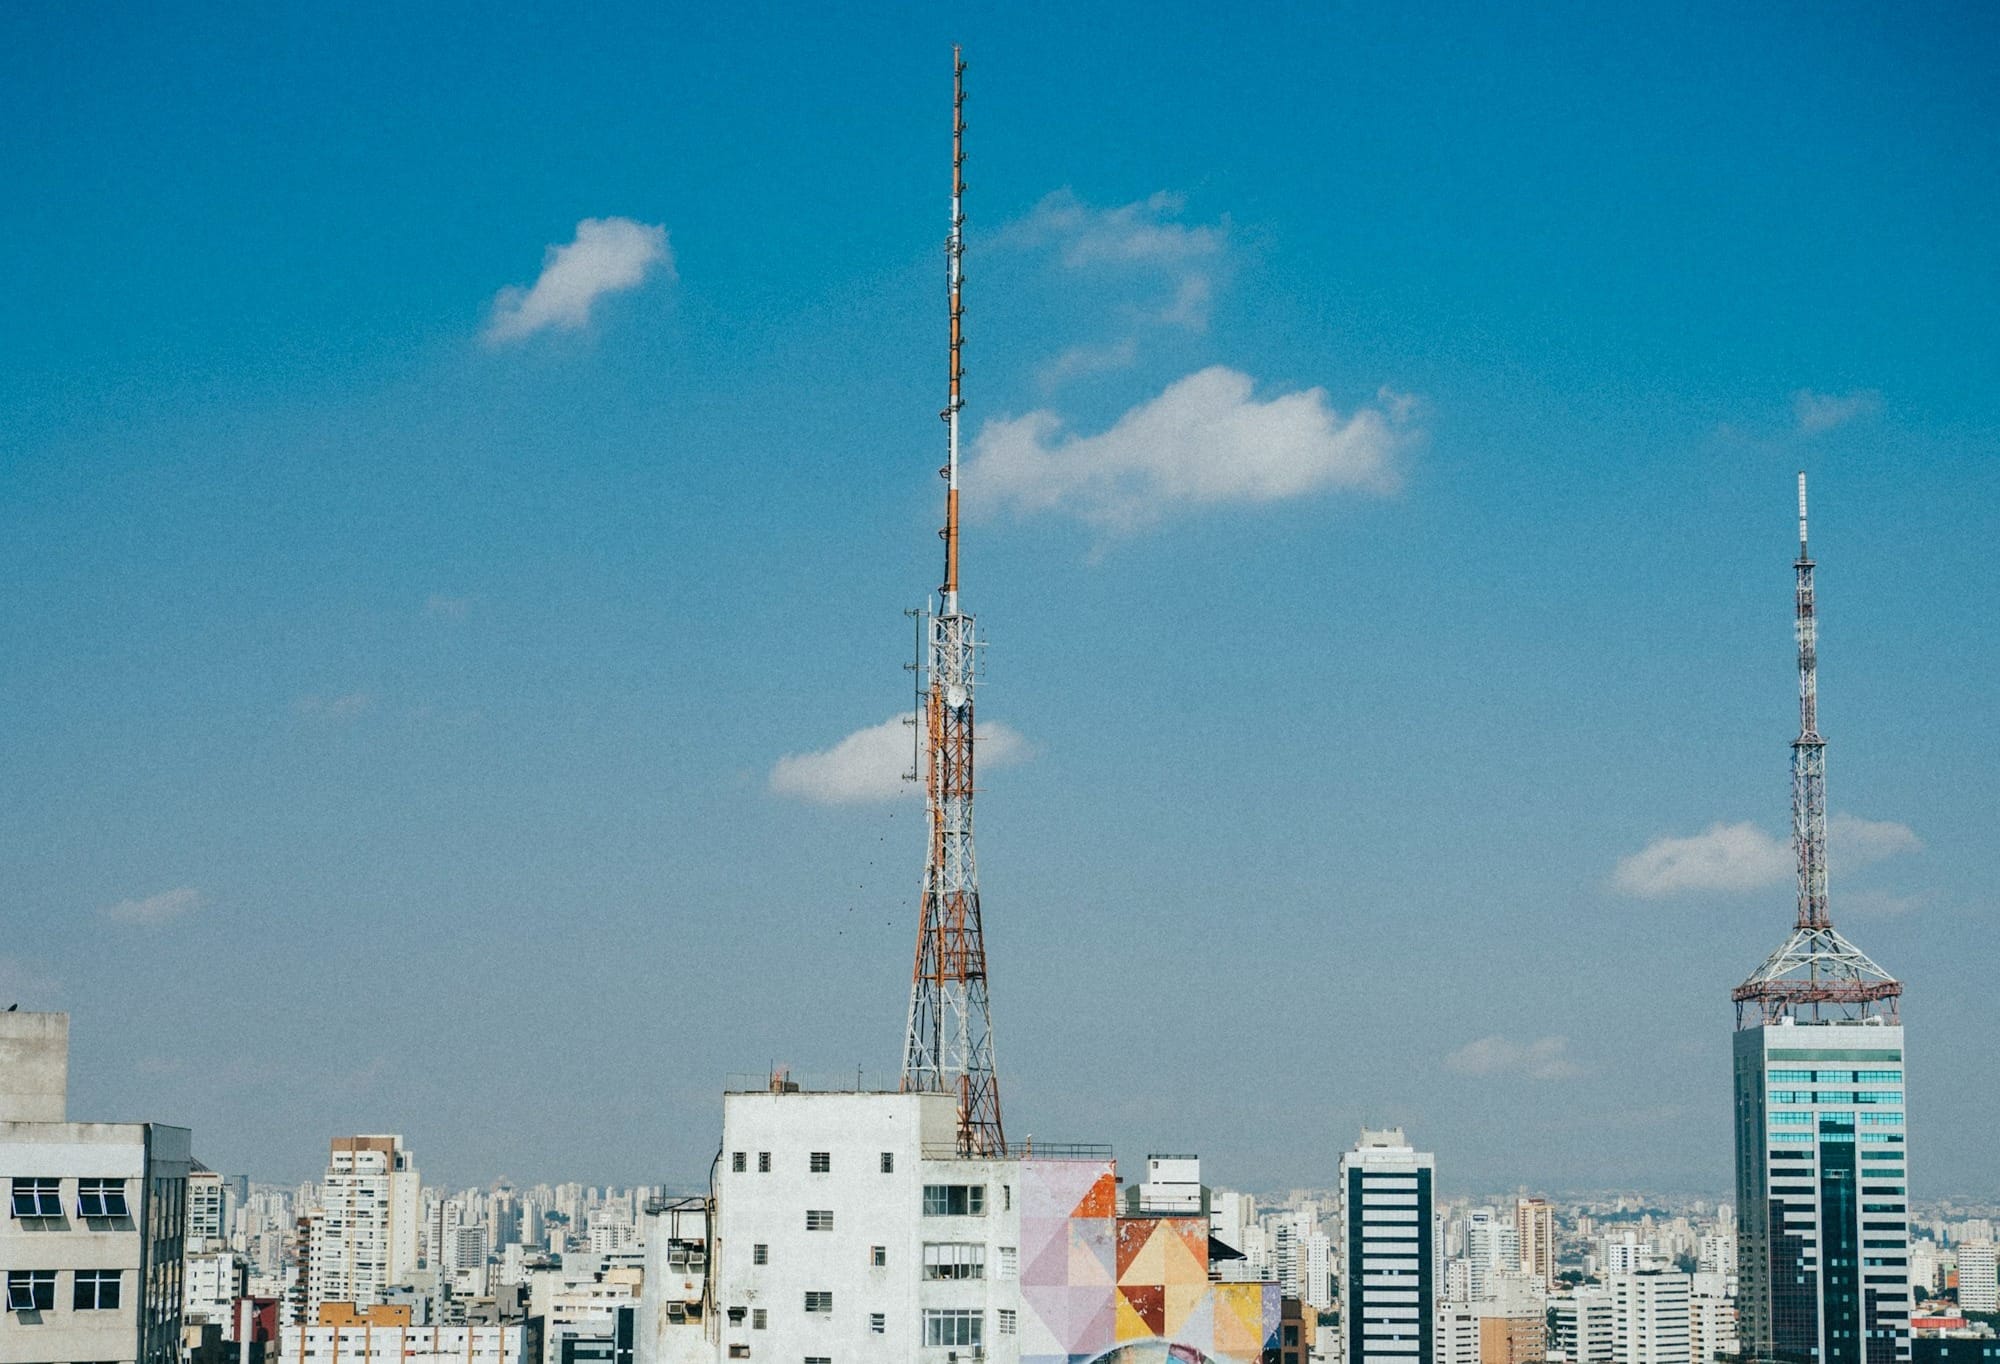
point(369, 1232)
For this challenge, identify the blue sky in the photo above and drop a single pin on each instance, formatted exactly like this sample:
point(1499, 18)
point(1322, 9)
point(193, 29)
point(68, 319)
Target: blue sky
point(450, 458)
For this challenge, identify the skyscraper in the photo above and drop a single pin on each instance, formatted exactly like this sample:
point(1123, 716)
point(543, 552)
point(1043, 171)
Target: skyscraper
point(368, 1234)
point(1389, 1294)
point(1821, 1174)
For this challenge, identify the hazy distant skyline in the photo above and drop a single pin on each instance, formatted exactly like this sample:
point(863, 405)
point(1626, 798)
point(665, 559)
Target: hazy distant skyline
point(462, 470)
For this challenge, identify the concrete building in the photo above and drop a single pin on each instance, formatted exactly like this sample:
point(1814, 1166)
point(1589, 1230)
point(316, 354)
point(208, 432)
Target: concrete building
point(1978, 1279)
point(1389, 1259)
point(91, 1246)
point(368, 1232)
point(848, 1228)
point(848, 1225)
point(1490, 1251)
point(1585, 1332)
point(1650, 1317)
point(1456, 1340)
point(1535, 1237)
point(1711, 1325)
point(367, 1343)
point(1513, 1322)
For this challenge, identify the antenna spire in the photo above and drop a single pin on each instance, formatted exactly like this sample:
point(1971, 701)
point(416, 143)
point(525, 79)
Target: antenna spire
point(1816, 971)
point(954, 253)
point(1808, 750)
point(948, 1047)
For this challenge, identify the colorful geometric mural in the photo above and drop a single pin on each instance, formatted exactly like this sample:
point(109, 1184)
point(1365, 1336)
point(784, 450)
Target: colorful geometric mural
point(1100, 1286)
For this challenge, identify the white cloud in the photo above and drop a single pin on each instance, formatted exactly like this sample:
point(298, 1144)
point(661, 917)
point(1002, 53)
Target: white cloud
point(1738, 857)
point(1545, 1058)
point(1818, 412)
point(1722, 857)
point(1855, 842)
point(1205, 440)
point(608, 256)
point(1145, 232)
point(869, 764)
point(156, 909)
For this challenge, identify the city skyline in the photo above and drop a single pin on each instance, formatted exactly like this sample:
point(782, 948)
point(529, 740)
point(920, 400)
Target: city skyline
point(460, 685)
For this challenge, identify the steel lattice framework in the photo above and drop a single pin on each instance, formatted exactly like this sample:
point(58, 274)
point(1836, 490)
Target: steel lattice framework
point(1816, 973)
point(949, 1044)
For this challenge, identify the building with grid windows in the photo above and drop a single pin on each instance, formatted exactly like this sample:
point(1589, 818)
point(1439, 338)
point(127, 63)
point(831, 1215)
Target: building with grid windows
point(92, 1239)
point(368, 1235)
point(1388, 1283)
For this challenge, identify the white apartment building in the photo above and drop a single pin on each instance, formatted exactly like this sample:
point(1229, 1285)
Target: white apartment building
point(1457, 1337)
point(401, 1344)
point(1491, 1249)
point(1585, 1331)
point(92, 1241)
point(368, 1234)
point(1172, 1185)
point(1650, 1321)
point(1978, 1281)
point(211, 1280)
point(1711, 1326)
point(1389, 1257)
point(207, 1227)
point(848, 1228)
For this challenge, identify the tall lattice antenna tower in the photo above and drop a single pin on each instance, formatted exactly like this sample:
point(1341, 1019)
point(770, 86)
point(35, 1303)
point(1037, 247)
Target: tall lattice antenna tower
point(1817, 973)
point(949, 1045)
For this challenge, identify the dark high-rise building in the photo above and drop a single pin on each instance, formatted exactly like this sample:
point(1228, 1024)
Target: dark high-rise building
point(1821, 1159)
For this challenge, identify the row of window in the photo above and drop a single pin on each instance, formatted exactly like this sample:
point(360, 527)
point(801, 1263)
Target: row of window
point(1836, 1077)
point(942, 1259)
point(1837, 1096)
point(948, 1326)
point(93, 1290)
point(817, 1162)
point(42, 1197)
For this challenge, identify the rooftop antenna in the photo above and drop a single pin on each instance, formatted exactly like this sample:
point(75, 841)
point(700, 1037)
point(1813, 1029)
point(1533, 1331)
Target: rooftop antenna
point(948, 1045)
point(1817, 973)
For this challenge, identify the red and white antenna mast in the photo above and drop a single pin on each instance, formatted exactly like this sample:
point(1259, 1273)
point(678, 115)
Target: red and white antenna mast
point(948, 1047)
point(1817, 973)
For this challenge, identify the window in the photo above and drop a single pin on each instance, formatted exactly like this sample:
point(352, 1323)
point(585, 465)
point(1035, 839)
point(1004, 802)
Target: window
point(101, 1198)
point(888, 1162)
point(819, 1219)
point(31, 1290)
point(37, 1198)
point(878, 1324)
point(819, 1359)
point(1006, 1321)
point(739, 1161)
point(96, 1289)
point(954, 1200)
point(739, 1352)
point(763, 1162)
point(759, 1318)
point(1006, 1195)
point(819, 1300)
point(954, 1260)
point(760, 1254)
point(1010, 1262)
point(820, 1162)
point(736, 1315)
point(878, 1256)
point(954, 1326)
